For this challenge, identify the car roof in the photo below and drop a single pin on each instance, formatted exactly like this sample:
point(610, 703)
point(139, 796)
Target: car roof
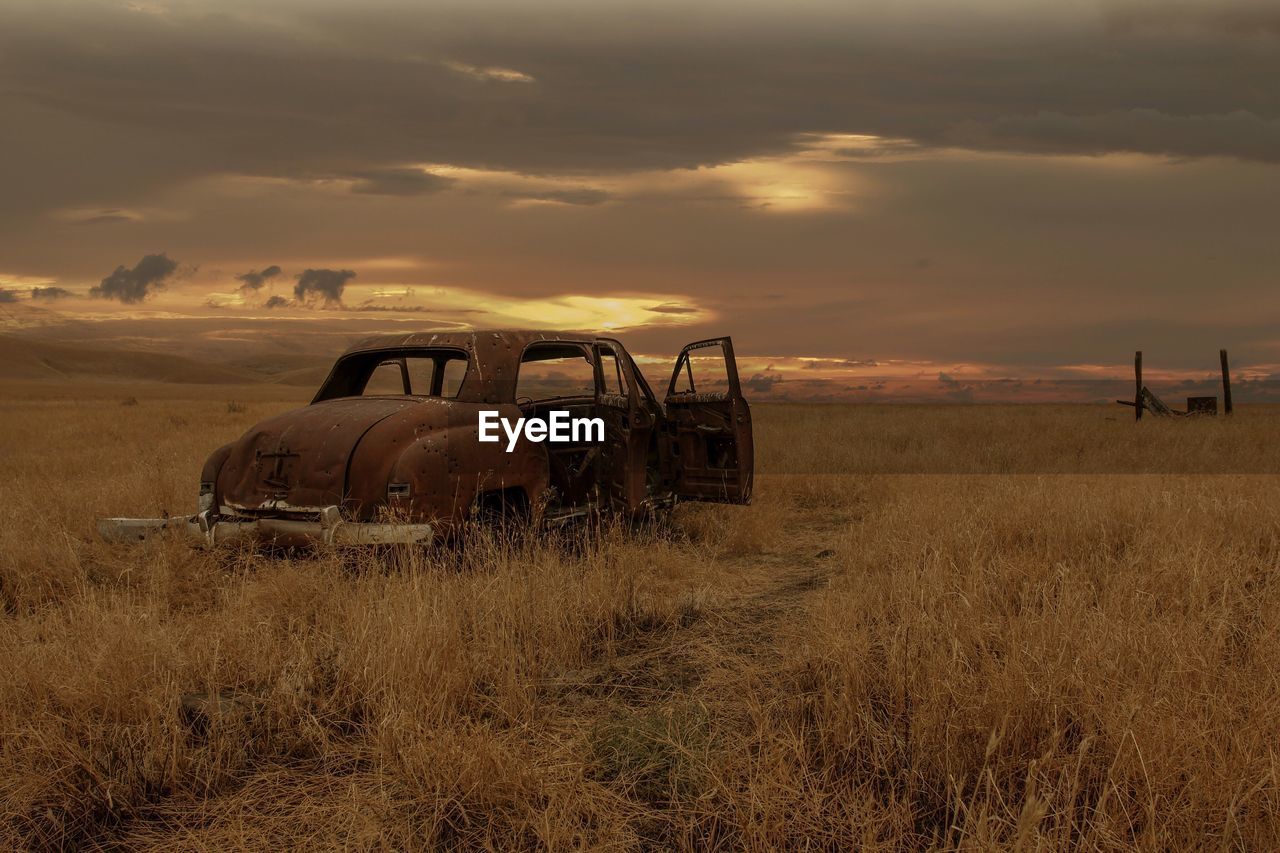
point(494, 356)
point(468, 340)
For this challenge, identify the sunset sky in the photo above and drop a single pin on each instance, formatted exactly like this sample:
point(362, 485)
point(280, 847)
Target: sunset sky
point(858, 192)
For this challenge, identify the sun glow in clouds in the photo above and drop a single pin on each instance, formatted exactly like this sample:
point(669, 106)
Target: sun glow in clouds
point(574, 311)
point(783, 185)
point(821, 174)
point(501, 75)
point(14, 282)
point(812, 179)
point(477, 308)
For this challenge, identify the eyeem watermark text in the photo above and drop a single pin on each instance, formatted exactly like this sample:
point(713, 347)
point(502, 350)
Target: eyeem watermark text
point(559, 427)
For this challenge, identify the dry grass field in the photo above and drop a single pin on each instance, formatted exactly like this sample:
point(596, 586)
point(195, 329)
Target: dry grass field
point(935, 628)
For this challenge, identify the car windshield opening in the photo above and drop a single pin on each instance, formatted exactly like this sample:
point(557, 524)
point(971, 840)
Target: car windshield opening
point(433, 372)
point(555, 371)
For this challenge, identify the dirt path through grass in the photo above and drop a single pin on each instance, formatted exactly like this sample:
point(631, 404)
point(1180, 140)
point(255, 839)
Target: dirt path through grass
point(651, 718)
point(737, 626)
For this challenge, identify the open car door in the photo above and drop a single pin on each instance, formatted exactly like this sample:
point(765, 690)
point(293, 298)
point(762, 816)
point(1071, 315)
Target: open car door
point(709, 425)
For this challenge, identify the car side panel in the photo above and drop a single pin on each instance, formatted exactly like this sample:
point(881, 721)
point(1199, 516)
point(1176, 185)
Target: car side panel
point(434, 449)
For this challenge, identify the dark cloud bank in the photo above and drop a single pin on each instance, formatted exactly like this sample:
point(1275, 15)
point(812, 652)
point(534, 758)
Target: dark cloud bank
point(322, 287)
point(253, 280)
point(131, 286)
point(364, 91)
point(50, 292)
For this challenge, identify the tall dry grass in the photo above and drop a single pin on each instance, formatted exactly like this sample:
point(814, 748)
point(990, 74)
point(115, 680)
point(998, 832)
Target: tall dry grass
point(1038, 662)
point(867, 660)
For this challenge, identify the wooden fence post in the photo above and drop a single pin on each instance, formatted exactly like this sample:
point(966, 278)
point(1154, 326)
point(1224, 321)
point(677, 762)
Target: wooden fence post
point(1226, 382)
point(1137, 390)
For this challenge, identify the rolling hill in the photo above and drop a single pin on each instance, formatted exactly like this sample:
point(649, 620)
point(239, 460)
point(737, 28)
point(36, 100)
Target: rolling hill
point(31, 358)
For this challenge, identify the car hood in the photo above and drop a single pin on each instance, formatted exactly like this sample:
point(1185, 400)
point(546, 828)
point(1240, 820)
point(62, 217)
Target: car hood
point(299, 461)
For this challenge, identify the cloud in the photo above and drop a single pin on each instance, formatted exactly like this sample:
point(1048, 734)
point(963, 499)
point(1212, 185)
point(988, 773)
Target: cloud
point(645, 107)
point(50, 292)
point(762, 382)
point(495, 73)
point(253, 280)
point(322, 287)
point(398, 181)
point(1240, 133)
point(586, 196)
point(672, 308)
point(131, 286)
point(105, 218)
point(829, 363)
point(614, 94)
point(392, 309)
point(98, 215)
point(276, 302)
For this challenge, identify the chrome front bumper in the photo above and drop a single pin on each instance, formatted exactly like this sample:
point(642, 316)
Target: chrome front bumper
point(329, 529)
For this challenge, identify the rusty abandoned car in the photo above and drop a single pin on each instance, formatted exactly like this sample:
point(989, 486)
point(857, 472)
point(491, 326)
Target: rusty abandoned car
point(388, 451)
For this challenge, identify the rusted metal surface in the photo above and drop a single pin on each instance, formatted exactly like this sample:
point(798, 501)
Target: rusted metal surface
point(358, 469)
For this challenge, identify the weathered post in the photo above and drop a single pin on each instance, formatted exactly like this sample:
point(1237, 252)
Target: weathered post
point(1137, 390)
point(1226, 382)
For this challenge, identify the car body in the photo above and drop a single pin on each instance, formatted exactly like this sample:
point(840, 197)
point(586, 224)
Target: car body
point(389, 449)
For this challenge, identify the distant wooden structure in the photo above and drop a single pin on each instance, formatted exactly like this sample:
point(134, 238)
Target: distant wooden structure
point(1226, 382)
point(1138, 386)
point(1145, 400)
